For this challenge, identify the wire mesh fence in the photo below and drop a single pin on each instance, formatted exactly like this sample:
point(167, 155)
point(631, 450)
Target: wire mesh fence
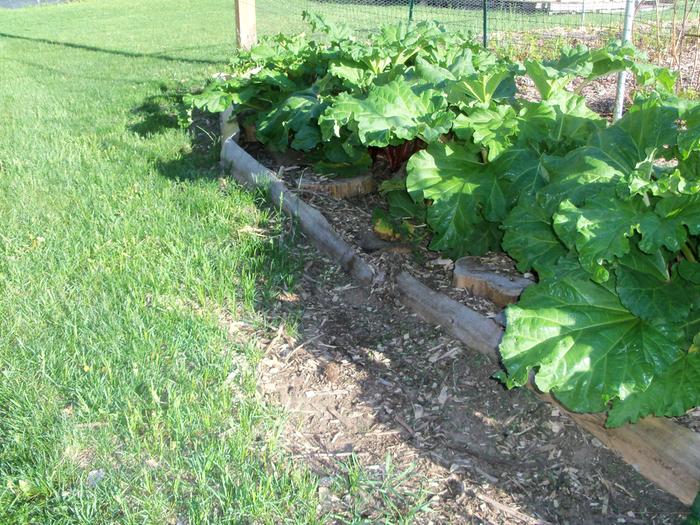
point(668, 30)
point(504, 18)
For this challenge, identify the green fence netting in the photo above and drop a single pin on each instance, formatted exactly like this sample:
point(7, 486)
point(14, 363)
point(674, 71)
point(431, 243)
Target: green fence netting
point(582, 19)
point(668, 30)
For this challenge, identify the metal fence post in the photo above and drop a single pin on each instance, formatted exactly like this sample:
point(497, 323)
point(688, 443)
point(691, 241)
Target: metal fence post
point(622, 75)
point(410, 11)
point(484, 14)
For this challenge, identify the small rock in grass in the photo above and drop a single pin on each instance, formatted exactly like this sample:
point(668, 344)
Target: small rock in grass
point(94, 477)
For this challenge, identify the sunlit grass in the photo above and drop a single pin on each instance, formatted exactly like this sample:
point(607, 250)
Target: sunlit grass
point(122, 399)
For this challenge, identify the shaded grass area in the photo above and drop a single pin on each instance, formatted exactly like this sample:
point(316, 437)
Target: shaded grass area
point(123, 399)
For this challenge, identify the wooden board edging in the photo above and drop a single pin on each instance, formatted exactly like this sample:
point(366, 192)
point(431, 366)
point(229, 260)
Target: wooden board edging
point(473, 329)
point(250, 173)
point(663, 451)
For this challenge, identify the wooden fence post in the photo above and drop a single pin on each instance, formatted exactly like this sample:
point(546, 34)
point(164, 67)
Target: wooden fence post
point(246, 34)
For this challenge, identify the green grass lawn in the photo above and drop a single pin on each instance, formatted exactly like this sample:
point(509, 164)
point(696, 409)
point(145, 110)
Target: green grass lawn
point(122, 398)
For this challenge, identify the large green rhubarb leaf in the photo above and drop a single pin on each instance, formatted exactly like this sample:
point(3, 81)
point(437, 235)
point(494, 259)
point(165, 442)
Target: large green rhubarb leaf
point(298, 115)
point(617, 147)
point(657, 232)
point(390, 114)
point(524, 169)
point(465, 194)
point(670, 394)
point(581, 174)
point(599, 230)
point(353, 76)
point(647, 290)
point(683, 209)
point(689, 141)
point(690, 271)
point(575, 121)
point(587, 348)
point(559, 124)
point(691, 327)
point(548, 80)
point(667, 226)
point(651, 125)
point(529, 237)
point(491, 128)
point(484, 86)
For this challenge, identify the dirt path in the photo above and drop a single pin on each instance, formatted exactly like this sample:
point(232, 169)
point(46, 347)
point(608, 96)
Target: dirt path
point(366, 379)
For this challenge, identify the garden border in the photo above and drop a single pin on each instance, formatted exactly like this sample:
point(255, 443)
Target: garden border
point(663, 451)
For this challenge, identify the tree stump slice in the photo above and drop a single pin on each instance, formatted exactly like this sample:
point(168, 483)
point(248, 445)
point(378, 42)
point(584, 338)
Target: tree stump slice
point(342, 188)
point(502, 290)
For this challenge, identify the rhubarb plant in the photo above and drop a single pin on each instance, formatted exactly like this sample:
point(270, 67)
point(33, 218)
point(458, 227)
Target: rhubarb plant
point(613, 323)
point(607, 216)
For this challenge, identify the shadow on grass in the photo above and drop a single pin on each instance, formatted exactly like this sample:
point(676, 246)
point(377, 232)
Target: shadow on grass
point(118, 52)
point(273, 267)
point(165, 111)
point(161, 112)
point(156, 118)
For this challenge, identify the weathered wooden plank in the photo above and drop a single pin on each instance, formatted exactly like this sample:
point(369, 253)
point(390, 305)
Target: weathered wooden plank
point(473, 329)
point(659, 449)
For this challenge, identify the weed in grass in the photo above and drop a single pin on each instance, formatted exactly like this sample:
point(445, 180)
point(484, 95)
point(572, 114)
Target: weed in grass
point(383, 495)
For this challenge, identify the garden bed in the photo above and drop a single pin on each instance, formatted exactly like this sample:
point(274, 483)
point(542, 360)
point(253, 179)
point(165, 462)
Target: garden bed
point(674, 465)
point(471, 160)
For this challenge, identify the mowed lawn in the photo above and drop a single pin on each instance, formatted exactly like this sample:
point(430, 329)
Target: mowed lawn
point(123, 398)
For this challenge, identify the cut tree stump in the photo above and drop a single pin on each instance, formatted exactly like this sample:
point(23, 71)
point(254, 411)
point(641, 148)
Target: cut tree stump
point(502, 290)
point(342, 188)
point(660, 449)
